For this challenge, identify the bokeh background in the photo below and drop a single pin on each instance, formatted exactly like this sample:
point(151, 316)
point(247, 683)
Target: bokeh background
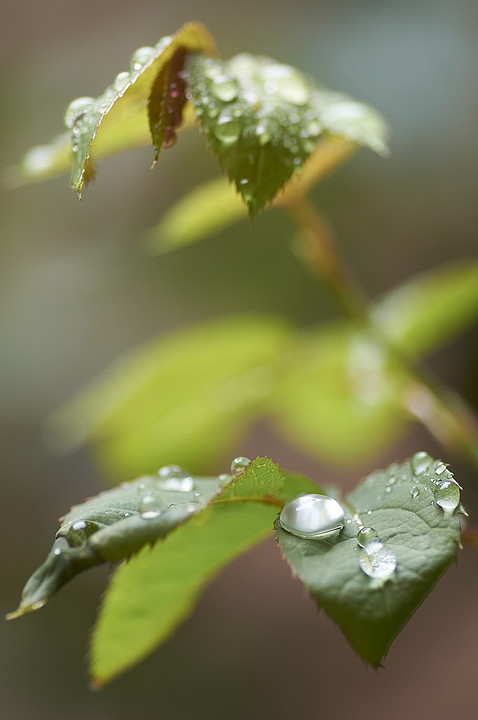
point(77, 290)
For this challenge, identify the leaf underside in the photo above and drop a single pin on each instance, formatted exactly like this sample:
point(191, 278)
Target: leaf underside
point(401, 506)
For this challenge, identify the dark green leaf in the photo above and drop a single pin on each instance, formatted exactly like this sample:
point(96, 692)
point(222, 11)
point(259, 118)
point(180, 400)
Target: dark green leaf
point(150, 595)
point(211, 207)
point(181, 399)
point(263, 120)
point(371, 592)
point(114, 525)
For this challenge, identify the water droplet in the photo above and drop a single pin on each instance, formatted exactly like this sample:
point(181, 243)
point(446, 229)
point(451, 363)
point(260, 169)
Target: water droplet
point(121, 81)
point(212, 110)
point(185, 484)
point(227, 129)
point(314, 128)
point(309, 516)
point(366, 535)
point(38, 605)
point(286, 83)
point(57, 552)
point(76, 109)
point(211, 68)
point(141, 57)
point(447, 495)
point(172, 471)
point(239, 464)
point(164, 42)
point(79, 525)
point(420, 462)
point(388, 489)
point(225, 478)
point(377, 561)
point(225, 87)
point(440, 468)
point(152, 505)
point(415, 492)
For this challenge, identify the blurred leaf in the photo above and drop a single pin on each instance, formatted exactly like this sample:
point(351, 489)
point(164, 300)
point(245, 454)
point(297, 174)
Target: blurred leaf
point(151, 91)
point(263, 119)
point(114, 525)
point(215, 205)
point(150, 595)
point(424, 313)
point(340, 395)
point(372, 591)
point(184, 398)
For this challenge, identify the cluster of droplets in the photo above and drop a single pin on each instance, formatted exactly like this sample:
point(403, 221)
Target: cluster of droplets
point(170, 479)
point(83, 114)
point(446, 491)
point(252, 103)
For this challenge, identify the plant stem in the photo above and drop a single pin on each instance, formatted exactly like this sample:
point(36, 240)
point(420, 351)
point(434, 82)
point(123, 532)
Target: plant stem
point(443, 412)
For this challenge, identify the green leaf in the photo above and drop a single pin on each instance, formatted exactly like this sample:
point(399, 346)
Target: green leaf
point(181, 399)
point(150, 93)
point(339, 395)
point(359, 587)
point(430, 309)
point(215, 205)
point(114, 525)
point(150, 595)
point(263, 119)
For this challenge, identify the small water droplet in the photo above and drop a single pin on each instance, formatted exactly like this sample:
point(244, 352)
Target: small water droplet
point(225, 478)
point(76, 109)
point(121, 81)
point(141, 57)
point(369, 512)
point(212, 110)
point(164, 42)
point(127, 514)
point(314, 128)
point(415, 492)
point(239, 464)
point(310, 516)
point(388, 489)
point(227, 129)
point(79, 525)
point(447, 495)
point(420, 462)
point(211, 68)
point(57, 552)
point(152, 505)
point(225, 87)
point(366, 535)
point(377, 561)
point(440, 468)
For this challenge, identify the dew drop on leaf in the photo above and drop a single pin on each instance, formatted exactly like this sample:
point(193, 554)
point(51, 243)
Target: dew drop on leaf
point(309, 516)
point(121, 81)
point(225, 87)
point(76, 109)
point(227, 129)
point(366, 535)
point(415, 492)
point(140, 57)
point(152, 505)
point(285, 83)
point(239, 464)
point(377, 561)
point(447, 495)
point(420, 462)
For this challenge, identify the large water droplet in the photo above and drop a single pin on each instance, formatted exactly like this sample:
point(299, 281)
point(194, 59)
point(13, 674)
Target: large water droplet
point(285, 83)
point(121, 81)
point(447, 495)
point(309, 516)
point(420, 462)
point(239, 464)
point(141, 57)
point(227, 129)
point(185, 484)
point(377, 561)
point(152, 505)
point(366, 535)
point(225, 87)
point(76, 109)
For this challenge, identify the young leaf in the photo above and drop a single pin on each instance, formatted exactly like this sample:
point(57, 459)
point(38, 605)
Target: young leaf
point(150, 92)
point(179, 399)
point(425, 312)
point(114, 525)
point(400, 535)
point(339, 395)
point(215, 205)
point(263, 119)
point(150, 595)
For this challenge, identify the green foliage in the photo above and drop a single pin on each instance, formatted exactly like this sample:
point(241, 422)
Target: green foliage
point(155, 591)
point(371, 591)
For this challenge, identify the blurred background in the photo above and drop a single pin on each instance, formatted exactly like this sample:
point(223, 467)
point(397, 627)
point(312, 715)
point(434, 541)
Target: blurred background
point(77, 289)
